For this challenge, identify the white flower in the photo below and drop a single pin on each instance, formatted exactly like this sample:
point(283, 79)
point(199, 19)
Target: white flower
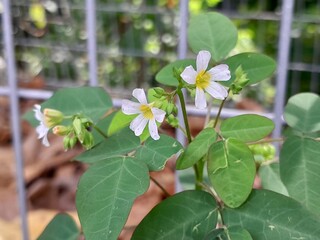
point(42, 129)
point(147, 114)
point(205, 80)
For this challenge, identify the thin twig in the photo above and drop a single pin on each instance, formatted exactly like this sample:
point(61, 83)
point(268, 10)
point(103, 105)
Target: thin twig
point(160, 186)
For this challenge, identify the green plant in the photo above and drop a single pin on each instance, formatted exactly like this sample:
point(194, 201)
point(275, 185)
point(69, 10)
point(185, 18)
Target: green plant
point(120, 157)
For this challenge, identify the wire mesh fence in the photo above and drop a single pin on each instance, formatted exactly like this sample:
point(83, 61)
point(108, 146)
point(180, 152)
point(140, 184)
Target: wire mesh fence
point(134, 39)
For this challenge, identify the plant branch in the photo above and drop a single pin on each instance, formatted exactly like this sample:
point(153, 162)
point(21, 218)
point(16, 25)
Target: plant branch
point(99, 131)
point(184, 113)
point(220, 109)
point(160, 186)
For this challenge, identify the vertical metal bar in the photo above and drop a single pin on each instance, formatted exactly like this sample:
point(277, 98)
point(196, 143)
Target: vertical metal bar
point(283, 59)
point(15, 113)
point(91, 41)
point(182, 52)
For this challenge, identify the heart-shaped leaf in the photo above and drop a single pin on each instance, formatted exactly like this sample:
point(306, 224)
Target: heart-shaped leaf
point(186, 215)
point(62, 226)
point(269, 215)
point(105, 195)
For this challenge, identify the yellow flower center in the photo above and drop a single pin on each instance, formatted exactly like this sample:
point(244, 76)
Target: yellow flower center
point(203, 79)
point(146, 111)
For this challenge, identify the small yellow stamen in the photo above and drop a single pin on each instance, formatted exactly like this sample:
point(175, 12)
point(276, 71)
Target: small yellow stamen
point(203, 80)
point(146, 111)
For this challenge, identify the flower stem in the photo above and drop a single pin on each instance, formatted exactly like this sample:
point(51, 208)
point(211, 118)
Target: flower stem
point(197, 168)
point(99, 131)
point(184, 113)
point(220, 109)
point(160, 186)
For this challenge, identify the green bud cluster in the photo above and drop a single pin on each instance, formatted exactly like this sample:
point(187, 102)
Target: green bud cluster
point(263, 152)
point(240, 82)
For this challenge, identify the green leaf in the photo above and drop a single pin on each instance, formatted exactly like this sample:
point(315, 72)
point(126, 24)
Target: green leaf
point(237, 233)
point(300, 170)
point(257, 67)
point(103, 125)
point(165, 75)
point(156, 153)
point(92, 102)
point(232, 233)
point(117, 145)
point(197, 148)
point(62, 226)
point(269, 215)
point(208, 32)
point(186, 215)
point(119, 121)
point(270, 178)
point(231, 170)
point(105, 195)
point(302, 112)
point(247, 127)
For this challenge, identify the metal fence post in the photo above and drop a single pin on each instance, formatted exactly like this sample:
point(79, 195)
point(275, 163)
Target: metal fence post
point(283, 61)
point(15, 113)
point(91, 41)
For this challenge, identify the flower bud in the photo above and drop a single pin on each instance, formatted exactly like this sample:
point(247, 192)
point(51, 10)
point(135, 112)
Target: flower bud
point(173, 121)
point(69, 141)
point(159, 90)
point(52, 117)
point(88, 140)
point(61, 130)
point(240, 82)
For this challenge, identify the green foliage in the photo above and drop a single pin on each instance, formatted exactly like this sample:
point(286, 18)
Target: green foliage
point(303, 112)
point(208, 32)
point(270, 178)
point(156, 153)
point(62, 226)
point(117, 145)
point(106, 193)
point(165, 75)
point(256, 66)
point(269, 215)
point(247, 127)
point(231, 170)
point(173, 219)
point(196, 149)
point(300, 170)
point(120, 162)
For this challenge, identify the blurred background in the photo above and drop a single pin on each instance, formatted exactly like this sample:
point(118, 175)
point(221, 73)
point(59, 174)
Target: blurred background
point(132, 41)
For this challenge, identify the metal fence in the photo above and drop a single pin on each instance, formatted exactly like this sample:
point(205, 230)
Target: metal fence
point(286, 30)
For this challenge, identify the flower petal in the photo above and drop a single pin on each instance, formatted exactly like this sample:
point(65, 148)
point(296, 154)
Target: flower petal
point(45, 141)
point(41, 130)
point(37, 113)
point(140, 95)
point(189, 75)
point(220, 73)
point(138, 124)
point(200, 101)
point(153, 129)
point(130, 107)
point(158, 114)
point(217, 91)
point(203, 59)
